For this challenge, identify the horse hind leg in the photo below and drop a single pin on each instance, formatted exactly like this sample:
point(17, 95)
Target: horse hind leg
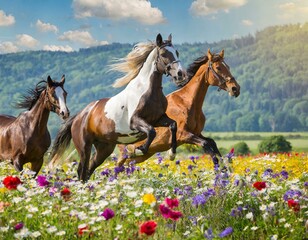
point(103, 151)
point(165, 121)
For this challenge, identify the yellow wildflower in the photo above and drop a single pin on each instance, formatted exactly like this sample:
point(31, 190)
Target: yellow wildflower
point(149, 198)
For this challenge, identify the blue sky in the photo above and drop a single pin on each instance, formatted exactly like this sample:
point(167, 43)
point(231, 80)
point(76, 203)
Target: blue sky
point(70, 25)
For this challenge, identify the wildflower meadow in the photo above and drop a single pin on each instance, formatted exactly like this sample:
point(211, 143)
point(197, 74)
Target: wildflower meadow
point(250, 197)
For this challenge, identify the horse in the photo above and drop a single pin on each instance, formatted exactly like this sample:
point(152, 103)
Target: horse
point(185, 106)
point(129, 116)
point(25, 139)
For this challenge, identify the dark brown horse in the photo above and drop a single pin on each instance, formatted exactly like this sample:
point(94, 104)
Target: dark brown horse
point(185, 106)
point(129, 116)
point(26, 138)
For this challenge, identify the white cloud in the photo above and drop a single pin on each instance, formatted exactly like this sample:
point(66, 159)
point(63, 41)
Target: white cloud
point(55, 48)
point(27, 41)
point(83, 37)
point(46, 27)
point(6, 20)
point(207, 7)
point(8, 47)
point(139, 10)
point(247, 22)
point(294, 10)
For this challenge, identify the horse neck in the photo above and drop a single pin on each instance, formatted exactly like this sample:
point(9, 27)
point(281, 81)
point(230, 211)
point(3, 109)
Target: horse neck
point(148, 73)
point(39, 114)
point(197, 87)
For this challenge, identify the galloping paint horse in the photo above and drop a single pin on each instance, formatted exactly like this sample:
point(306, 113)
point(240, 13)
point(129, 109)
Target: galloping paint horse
point(26, 138)
point(130, 115)
point(185, 106)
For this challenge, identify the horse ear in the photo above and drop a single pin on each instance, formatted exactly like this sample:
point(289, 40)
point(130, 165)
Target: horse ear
point(62, 79)
point(221, 54)
point(159, 40)
point(49, 81)
point(170, 38)
point(209, 54)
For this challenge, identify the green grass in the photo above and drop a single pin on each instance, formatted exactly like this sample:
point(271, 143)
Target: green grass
point(298, 140)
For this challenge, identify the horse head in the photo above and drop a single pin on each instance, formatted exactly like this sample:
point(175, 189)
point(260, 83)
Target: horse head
point(168, 61)
point(219, 74)
point(56, 97)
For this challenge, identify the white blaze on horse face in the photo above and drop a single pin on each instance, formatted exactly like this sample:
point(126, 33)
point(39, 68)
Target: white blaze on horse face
point(60, 95)
point(176, 67)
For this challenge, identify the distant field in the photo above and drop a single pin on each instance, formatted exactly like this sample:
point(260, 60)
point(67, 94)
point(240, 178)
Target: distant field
point(298, 140)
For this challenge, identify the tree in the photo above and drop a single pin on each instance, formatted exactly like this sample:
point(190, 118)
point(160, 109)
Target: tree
point(241, 148)
point(275, 144)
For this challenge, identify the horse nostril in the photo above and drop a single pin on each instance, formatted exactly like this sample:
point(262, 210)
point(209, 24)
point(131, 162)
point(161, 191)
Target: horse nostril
point(62, 113)
point(180, 74)
point(234, 89)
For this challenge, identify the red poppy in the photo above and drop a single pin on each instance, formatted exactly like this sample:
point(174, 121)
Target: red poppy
point(172, 203)
point(82, 228)
point(11, 182)
point(259, 185)
point(294, 205)
point(148, 227)
point(65, 192)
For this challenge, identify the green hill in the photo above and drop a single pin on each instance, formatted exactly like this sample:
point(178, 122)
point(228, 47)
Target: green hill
point(270, 66)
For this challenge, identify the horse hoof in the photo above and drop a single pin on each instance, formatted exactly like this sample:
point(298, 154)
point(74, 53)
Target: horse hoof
point(130, 150)
point(138, 152)
point(171, 155)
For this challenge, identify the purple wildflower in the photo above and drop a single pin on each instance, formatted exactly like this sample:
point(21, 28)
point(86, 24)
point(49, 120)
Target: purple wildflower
point(52, 191)
point(192, 158)
point(18, 226)
point(306, 184)
point(236, 182)
point(208, 234)
point(42, 181)
point(178, 191)
point(284, 174)
point(119, 169)
point(190, 167)
point(268, 172)
point(210, 192)
point(58, 184)
point(106, 172)
point(177, 162)
point(199, 200)
point(226, 232)
point(290, 194)
point(107, 214)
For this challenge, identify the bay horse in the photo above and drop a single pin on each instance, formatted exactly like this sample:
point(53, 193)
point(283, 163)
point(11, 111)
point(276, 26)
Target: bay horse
point(25, 139)
point(129, 116)
point(185, 106)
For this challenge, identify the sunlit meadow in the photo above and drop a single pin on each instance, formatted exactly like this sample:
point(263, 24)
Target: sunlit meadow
point(254, 197)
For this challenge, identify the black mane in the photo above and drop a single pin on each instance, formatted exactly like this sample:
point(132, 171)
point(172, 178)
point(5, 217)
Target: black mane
point(28, 100)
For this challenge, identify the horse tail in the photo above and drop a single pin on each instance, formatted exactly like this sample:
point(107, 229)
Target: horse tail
point(61, 142)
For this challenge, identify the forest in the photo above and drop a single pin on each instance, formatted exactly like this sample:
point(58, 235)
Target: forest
point(270, 66)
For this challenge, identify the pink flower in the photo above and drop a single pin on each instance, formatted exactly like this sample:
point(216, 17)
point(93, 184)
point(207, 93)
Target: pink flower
point(172, 203)
point(42, 181)
point(108, 213)
point(164, 210)
point(18, 226)
point(175, 215)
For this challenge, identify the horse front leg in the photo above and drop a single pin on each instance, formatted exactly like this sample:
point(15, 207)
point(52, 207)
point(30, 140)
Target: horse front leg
point(165, 121)
point(36, 165)
point(141, 125)
point(214, 149)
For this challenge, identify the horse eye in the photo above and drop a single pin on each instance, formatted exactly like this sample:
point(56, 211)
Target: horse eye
point(218, 68)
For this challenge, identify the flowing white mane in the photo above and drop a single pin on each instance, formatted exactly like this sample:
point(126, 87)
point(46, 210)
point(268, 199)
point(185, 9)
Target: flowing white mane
point(132, 63)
